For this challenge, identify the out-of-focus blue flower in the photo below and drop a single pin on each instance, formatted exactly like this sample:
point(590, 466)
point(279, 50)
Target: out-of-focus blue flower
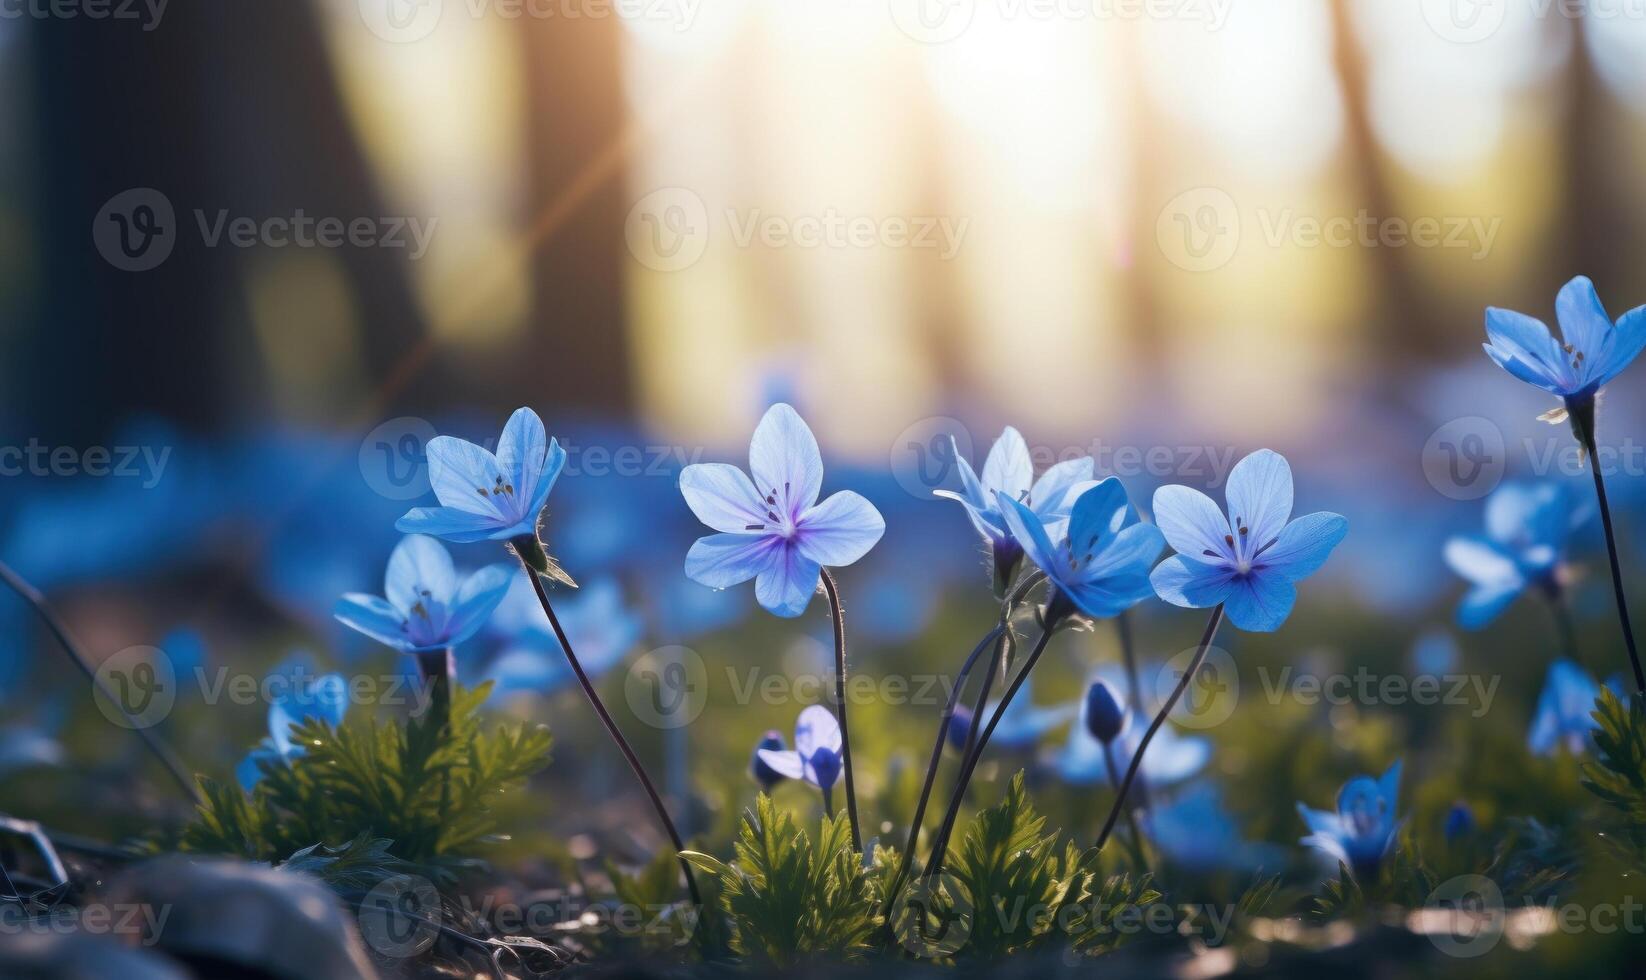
point(1564, 716)
point(1172, 757)
point(1103, 715)
point(773, 530)
point(1101, 563)
point(1460, 821)
point(1194, 830)
point(186, 650)
point(816, 754)
point(1527, 527)
point(296, 699)
point(1593, 351)
point(1434, 653)
point(1250, 562)
point(602, 631)
point(763, 774)
point(685, 610)
point(1009, 471)
point(485, 496)
point(33, 743)
point(425, 608)
point(1364, 826)
point(1022, 726)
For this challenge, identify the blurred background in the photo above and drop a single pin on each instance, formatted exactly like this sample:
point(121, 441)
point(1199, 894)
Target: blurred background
point(260, 252)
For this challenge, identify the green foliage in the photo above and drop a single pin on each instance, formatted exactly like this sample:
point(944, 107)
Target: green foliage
point(655, 890)
point(1618, 776)
point(1338, 897)
point(1015, 878)
point(790, 897)
point(1103, 910)
point(423, 789)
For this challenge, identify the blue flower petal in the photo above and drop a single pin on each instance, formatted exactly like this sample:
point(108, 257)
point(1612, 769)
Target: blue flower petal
point(373, 616)
point(1192, 524)
point(1305, 544)
point(785, 462)
point(1485, 603)
point(1524, 347)
point(476, 600)
point(1481, 562)
point(785, 763)
point(1260, 602)
point(1055, 492)
point(1009, 469)
point(464, 475)
point(1134, 549)
point(721, 496)
point(420, 570)
point(721, 561)
point(816, 728)
point(1622, 347)
point(840, 530)
point(786, 585)
point(1097, 516)
point(1028, 532)
point(1191, 584)
point(552, 467)
point(451, 524)
point(1259, 494)
point(1584, 321)
point(522, 450)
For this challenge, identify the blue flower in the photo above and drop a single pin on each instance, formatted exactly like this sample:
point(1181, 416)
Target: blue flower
point(1194, 830)
point(773, 530)
point(1564, 711)
point(1021, 727)
point(1009, 471)
point(485, 496)
point(296, 699)
point(763, 774)
point(816, 754)
point(1527, 526)
point(1252, 562)
point(1593, 350)
point(1364, 826)
point(1460, 821)
point(1172, 757)
point(601, 628)
point(1101, 562)
point(426, 607)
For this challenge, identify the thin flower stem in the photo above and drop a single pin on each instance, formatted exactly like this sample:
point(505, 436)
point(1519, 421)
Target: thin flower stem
point(1611, 554)
point(1134, 690)
point(931, 767)
point(1563, 623)
point(60, 630)
point(1160, 719)
point(935, 866)
point(1131, 817)
point(833, 589)
point(1000, 630)
point(612, 730)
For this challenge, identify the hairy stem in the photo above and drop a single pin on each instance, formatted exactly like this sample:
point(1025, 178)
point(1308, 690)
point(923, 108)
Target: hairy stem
point(1131, 817)
point(60, 630)
point(1611, 554)
point(1160, 719)
point(833, 589)
point(612, 730)
point(1134, 690)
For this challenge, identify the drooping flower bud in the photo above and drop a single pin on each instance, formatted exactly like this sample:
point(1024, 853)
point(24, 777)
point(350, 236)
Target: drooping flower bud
point(1105, 718)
